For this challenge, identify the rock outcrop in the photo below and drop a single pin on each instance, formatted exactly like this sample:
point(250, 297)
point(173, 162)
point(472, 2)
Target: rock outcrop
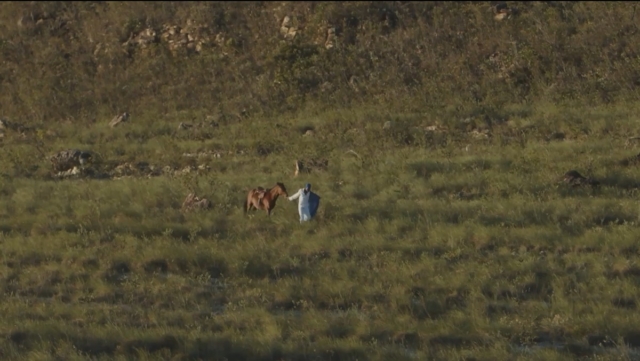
point(68, 159)
point(287, 30)
point(142, 39)
point(192, 37)
point(144, 169)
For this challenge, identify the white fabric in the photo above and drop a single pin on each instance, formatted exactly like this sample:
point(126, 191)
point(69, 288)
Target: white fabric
point(303, 204)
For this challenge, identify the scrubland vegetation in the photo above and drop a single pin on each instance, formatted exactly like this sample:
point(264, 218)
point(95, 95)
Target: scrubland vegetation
point(444, 233)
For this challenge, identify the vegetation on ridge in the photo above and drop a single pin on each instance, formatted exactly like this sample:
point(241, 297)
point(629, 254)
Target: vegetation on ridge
point(66, 60)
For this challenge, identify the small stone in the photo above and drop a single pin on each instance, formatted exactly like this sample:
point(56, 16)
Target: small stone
point(193, 203)
point(124, 117)
point(556, 136)
point(183, 126)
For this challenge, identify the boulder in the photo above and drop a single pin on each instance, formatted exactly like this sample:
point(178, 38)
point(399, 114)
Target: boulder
point(331, 40)
point(287, 30)
point(575, 179)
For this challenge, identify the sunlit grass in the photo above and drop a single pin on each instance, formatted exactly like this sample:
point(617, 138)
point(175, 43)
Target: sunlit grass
point(416, 253)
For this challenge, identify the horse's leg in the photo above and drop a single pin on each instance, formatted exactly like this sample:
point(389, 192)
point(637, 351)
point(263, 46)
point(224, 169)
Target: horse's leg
point(254, 205)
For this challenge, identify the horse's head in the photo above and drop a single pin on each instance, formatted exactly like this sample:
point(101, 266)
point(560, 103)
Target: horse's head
point(281, 189)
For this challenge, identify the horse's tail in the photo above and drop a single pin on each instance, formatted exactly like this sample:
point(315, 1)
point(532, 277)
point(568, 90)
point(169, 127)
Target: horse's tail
point(244, 206)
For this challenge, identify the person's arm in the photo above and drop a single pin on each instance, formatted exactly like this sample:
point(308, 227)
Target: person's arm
point(295, 196)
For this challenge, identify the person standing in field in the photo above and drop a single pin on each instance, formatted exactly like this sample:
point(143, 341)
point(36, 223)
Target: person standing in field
point(308, 202)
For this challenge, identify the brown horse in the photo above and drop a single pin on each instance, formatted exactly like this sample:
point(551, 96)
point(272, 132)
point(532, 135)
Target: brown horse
point(259, 198)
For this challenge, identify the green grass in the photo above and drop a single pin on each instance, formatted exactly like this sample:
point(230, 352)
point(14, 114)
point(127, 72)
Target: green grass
point(397, 265)
point(428, 245)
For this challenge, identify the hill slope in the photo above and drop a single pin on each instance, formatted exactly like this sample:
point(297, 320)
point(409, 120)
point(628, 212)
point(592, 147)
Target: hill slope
point(67, 60)
point(436, 135)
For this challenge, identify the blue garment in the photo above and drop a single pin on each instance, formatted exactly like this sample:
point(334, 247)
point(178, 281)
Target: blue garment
point(314, 203)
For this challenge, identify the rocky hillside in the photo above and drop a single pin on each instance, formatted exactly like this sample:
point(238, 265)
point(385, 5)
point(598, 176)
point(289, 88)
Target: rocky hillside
point(76, 61)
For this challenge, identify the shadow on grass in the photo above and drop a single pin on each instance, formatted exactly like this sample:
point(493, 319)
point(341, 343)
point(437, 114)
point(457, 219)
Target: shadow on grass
point(459, 341)
point(629, 272)
point(499, 309)
point(258, 269)
point(626, 303)
point(415, 340)
point(565, 222)
point(619, 181)
point(630, 161)
point(435, 303)
point(222, 348)
point(219, 230)
point(156, 266)
point(425, 169)
point(92, 346)
point(214, 266)
point(30, 259)
point(214, 348)
point(117, 272)
point(540, 289)
point(350, 254)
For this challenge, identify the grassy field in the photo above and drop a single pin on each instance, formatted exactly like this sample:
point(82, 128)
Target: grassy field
point(444, 233)
point(440, 246)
